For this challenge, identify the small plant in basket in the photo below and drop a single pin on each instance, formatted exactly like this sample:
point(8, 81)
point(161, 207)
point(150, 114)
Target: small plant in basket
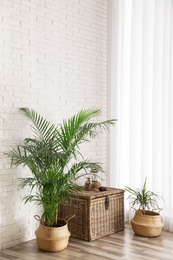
point(146, 222)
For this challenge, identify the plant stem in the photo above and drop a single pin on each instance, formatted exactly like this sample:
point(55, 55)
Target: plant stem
point(56, 217)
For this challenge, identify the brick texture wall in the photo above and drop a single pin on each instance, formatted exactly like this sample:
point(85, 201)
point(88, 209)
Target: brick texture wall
point(53, 58)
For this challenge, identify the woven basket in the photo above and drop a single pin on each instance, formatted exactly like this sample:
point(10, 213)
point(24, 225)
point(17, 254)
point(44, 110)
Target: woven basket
point(148, 225)
point(53, 239)
point(93, 218)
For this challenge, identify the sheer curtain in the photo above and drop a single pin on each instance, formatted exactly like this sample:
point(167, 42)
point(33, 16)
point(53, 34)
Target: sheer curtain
point(141, 97)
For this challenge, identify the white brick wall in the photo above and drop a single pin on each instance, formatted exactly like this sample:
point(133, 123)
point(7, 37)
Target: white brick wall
point(53, 58)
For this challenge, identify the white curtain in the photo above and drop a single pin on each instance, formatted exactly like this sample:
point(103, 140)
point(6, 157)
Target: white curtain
point(141, 98)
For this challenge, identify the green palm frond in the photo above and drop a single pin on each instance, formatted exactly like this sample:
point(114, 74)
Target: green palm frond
point(41, 126)
point(83, 165)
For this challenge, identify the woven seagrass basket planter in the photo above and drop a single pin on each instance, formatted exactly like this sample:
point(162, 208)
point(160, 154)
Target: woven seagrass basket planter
point(53, 239)
point(148, 225)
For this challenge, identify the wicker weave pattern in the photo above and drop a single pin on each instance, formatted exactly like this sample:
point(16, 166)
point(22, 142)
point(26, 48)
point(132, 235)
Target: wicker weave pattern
point(79, 224)
point(106, 221)
point(92, 220)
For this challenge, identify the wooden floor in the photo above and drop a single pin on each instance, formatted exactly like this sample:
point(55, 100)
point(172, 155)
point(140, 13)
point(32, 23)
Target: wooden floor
point(123, 245)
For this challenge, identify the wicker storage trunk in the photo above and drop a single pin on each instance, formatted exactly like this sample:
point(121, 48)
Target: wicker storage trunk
point(94, 218)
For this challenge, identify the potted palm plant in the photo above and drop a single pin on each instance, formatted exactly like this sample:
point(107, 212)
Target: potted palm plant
point(55, 161)
point(147, 221)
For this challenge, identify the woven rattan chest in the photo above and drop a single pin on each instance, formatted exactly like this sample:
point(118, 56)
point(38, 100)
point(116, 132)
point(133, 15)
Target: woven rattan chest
point(97, 214)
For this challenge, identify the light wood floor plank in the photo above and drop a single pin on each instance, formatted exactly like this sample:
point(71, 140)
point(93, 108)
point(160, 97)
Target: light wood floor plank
point(124, 245)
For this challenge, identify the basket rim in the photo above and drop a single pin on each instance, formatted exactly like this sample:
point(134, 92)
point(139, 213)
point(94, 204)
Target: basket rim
point(51, 228)
point(154, 214)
